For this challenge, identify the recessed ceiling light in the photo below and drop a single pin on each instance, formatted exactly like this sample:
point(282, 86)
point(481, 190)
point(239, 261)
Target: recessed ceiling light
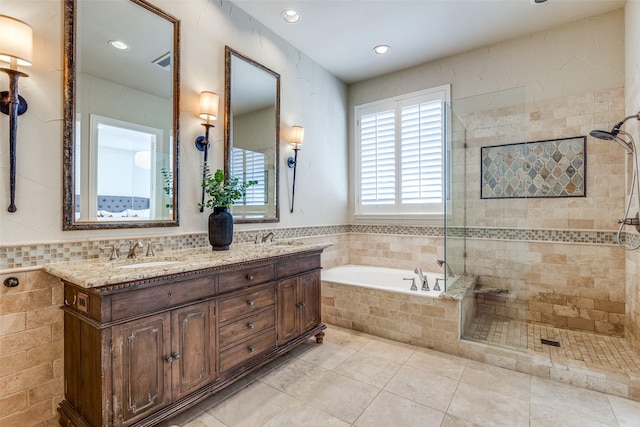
point(118, 44)
point(381, 49)
point(290, 16)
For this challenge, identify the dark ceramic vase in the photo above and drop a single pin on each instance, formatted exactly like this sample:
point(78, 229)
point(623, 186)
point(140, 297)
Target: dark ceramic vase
point(220, 229)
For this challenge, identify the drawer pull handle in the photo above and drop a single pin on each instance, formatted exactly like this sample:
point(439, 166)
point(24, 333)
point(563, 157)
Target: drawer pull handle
point(251, 326)
point(170, 294)
point(300, 305)
point(67, 303)
point(250, 276)
point(251, 349)
point(250, 302)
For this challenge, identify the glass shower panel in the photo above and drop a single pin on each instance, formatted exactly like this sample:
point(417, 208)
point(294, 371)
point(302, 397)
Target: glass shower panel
point(483, 234)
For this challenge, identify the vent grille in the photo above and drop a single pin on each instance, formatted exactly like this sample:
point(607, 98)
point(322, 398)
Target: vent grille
point(163, 61)
point(550, 342)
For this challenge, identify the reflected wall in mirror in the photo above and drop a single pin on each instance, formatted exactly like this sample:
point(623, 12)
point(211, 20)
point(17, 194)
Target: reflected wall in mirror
point(121, 103)
point(252, 129)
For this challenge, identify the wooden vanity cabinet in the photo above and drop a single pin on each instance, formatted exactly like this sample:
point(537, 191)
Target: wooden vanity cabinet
point(137, 353)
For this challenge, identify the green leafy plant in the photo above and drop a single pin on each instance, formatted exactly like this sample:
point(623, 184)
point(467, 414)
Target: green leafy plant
point(223, 192)
point(167, 174)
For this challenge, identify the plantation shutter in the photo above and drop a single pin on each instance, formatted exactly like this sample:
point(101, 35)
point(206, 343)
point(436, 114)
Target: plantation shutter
point(377, 154)
point(251, 165)
point(421, 148)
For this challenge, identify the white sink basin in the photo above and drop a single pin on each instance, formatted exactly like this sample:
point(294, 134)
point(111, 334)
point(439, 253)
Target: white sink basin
point(148, 264)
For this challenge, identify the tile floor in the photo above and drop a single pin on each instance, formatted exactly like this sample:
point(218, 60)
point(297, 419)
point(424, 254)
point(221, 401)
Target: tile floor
point(355, 379)
point(590, 350)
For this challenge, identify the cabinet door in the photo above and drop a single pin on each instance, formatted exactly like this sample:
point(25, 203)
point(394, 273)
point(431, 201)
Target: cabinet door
point(192, 348)
point(287, 310)
point(309, 300)
point(141, 374)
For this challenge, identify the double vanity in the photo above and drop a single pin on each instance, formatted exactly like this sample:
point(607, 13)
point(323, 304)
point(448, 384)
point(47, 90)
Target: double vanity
point(146, 338)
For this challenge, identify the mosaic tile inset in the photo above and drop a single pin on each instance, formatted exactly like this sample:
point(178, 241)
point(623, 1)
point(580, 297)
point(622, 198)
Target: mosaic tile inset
point(554, 168)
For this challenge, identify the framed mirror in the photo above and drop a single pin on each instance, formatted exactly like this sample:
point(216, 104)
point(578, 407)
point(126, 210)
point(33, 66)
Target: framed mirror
point(252, 133)
point(121, 115)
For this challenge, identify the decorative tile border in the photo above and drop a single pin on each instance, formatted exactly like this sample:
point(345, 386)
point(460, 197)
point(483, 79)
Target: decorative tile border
point(35, 255)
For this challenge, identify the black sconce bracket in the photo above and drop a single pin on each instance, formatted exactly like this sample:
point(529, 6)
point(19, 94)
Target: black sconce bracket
point(292, 162)
point(203, 144)
point(14, 105)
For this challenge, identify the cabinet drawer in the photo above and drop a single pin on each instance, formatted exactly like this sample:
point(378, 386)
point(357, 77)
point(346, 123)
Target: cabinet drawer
point(249, 302)
point(254, 346)
point(252, 325)
point(297, 265)
point(138, 301)
point(246, 277)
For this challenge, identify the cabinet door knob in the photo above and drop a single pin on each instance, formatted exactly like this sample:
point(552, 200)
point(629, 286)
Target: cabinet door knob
point(249, 276)
point(176, 356)
point(300, 305)
point(169, 359)
point(251, 349)
point(250, 302)
point(251, 326)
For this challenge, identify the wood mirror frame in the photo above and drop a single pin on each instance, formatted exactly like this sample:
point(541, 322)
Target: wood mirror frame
point(164, 184)
point(257, 110)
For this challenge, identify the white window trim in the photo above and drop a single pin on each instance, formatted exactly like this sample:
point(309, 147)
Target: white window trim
point(391, 212)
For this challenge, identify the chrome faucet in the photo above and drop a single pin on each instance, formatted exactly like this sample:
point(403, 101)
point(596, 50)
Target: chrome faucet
point(423, 279)
point(267, 236)
point(441, 262)
point(133, 245)
point(114, 251)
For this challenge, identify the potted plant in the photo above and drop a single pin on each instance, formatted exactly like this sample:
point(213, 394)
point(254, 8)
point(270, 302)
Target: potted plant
point(221, 194)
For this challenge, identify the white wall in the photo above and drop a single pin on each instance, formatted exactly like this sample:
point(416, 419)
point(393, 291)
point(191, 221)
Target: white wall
point(310, 97)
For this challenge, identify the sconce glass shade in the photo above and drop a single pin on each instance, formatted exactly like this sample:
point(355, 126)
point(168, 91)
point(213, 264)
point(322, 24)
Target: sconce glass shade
point(297, 135)
point(209, 105)
point(16, 41)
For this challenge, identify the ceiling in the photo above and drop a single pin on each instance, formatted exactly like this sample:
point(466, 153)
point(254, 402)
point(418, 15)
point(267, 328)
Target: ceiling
point(340, 34)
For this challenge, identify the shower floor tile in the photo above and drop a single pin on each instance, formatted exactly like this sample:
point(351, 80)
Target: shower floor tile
point(580, 348)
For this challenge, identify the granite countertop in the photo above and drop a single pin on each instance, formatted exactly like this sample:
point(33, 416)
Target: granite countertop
point(101, 272)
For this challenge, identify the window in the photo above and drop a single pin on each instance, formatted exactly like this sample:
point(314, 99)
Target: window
point(249, 165)
point(400, 154)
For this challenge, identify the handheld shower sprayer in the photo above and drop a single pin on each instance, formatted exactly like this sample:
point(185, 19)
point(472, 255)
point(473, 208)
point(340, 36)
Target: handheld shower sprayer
point(634, 190)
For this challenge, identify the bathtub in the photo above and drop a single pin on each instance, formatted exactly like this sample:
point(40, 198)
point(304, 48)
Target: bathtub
point(388, 279)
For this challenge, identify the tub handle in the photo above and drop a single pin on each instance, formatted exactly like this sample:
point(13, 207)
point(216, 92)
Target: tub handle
point(413, 282)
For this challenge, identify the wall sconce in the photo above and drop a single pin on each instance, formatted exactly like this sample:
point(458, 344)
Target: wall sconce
point(16, 48)
point(208, 111)
point(297, 135)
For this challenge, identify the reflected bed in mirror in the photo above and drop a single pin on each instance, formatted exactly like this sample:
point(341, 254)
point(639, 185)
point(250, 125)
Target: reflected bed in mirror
point(121, 115)
point(252, 128)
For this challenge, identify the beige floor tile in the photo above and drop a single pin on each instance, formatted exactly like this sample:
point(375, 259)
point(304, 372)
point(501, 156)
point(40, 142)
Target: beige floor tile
point(327, 355)
point(503, 381)
point(300, 414)
point(294, 377)
point(391, 410)
point(347, 338)
point(252, 406)
point(488, 408)
point(437, 363)
point(451, 421)
point(340, 396)
point(571, 399)
point(368, 369)
point(204, 420)
point(543, 416)
point(423, 387)
point(387, 349)
point(627, 411)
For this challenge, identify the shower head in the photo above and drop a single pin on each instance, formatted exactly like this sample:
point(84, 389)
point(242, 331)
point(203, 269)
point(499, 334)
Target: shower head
point(611, 136)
